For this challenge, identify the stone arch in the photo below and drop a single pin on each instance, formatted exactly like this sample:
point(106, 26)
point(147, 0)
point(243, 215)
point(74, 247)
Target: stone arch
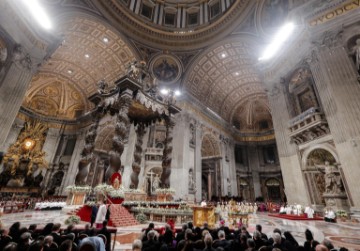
point(150, 172)
point(210, 146)
point(323, 177)
point(211, 173)
point(273, 189)
point(327, 147)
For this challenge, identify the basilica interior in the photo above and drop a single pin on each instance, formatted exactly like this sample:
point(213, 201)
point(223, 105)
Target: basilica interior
point(255, 100)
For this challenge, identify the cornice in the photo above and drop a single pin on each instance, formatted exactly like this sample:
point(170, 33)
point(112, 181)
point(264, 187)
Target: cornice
point(127, 22)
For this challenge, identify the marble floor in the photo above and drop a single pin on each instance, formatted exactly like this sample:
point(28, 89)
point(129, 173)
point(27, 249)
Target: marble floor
point(344, 234)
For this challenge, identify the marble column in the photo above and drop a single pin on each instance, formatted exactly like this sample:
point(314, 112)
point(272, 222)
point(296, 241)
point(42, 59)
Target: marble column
point(295, 188)
point(253, 157)
point(209, 185)
point(198, 164)
point(336, 80)
point(75, 158)
point(12, 91)
point(183, 159)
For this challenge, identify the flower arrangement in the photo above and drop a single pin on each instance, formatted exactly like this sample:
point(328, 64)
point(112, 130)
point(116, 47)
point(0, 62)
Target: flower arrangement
point(103, 188)
point(165, 191)
point(116, 193)
point(90, 203)
point(73, 219)
point(341, 213)
point(74, 188)
point(129, 190)
point(141, 217)
point(153, 203)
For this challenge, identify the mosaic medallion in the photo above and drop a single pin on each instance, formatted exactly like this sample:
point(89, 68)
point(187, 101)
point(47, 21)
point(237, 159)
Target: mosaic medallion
point(166, 68)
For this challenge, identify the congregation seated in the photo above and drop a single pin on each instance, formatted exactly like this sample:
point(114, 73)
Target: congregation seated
point(53, 238)
point(216, 239)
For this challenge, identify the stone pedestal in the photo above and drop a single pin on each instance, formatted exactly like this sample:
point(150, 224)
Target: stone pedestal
point(164, 197)
point(135, 196)
point(337, 202)
point(76, 198)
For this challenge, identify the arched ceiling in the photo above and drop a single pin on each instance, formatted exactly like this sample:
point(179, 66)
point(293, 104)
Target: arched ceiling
point(224, 76)
point(91, 51)
point(253, 115)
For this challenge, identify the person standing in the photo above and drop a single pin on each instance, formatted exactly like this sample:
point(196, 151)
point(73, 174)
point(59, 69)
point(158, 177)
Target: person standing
point(100, 216)
point(94, 210)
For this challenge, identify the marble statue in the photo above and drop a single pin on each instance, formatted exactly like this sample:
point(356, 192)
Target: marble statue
point(191, 181)
point(333, 182)
point(229, 186)
point(156, 182)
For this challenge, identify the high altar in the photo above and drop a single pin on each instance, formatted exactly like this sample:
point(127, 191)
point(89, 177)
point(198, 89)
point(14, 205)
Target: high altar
point(204, 214)
point(135, 98)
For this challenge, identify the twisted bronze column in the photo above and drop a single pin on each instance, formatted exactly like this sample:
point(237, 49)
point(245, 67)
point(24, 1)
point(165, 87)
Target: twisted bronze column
point(140, 131)
point(87, 154)
point(121, 129)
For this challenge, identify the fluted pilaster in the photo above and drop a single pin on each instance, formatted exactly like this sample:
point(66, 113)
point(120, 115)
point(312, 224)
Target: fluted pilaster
point(336, 79)
point(295, 189)
point(12, 91)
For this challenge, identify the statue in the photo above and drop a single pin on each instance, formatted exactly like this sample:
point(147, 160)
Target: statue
point(191, 181)
point(356, 51)
point(333, 183)
point(156, 182)
point(102, 86)
point(229, 186)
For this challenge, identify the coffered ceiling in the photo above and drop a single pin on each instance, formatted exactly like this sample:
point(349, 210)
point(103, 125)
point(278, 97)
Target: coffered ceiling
point(90, 51)
point(215, 66)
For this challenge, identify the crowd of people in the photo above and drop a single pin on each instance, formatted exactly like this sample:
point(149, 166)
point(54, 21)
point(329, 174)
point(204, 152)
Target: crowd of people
point(53, 238)
point(9, 200)
point(222, 238)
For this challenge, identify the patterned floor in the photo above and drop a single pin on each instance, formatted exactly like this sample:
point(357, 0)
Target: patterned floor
point(345, 234)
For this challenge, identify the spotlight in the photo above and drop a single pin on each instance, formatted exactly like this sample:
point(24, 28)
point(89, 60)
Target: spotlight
point(281, 36)
point(38, 13)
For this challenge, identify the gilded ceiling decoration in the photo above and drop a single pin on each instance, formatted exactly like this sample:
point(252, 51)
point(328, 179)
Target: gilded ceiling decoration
point(224, 76)
point(90, 52)
point(55, 96)
point(209, 147)
point(166, 68)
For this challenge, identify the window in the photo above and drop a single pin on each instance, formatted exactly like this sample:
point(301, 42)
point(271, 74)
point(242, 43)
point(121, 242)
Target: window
point(264, 125)
point(70, 145)
point(270, 154)
point(236, 123)
point(193, 18)
point(146, 11)
point(170, 19)
point(215, 10)
point(239, 155)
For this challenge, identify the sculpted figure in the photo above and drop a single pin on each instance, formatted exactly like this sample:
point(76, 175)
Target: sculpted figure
point(156, 182)
point(333, 183)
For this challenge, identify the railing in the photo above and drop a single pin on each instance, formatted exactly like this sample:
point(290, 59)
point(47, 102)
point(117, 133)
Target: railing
point(308, 126)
